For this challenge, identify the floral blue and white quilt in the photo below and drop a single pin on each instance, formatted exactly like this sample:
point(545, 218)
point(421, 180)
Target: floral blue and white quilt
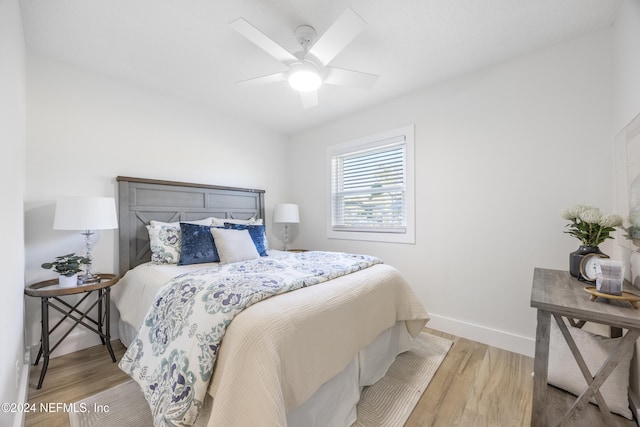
point(173, 356)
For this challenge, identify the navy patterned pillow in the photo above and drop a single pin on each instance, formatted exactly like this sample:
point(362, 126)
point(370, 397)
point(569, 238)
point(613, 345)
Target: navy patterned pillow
point(257, 235)
point(197, 245)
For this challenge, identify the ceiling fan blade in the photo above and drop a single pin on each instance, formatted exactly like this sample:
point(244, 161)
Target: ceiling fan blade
point(309, 99)
point(339, 35)
point(269, 78)
point(263, 41)
point(342, 77)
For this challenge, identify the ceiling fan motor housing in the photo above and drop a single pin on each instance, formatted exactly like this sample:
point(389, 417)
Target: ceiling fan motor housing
point(305, 35)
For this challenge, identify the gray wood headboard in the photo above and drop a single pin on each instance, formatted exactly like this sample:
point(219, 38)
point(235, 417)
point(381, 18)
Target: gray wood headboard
point(142, 200)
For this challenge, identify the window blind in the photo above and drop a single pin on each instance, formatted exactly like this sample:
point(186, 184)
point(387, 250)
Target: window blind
point(368, 188)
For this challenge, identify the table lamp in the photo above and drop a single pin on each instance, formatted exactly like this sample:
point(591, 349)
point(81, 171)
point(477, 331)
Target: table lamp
point(86, 214)
point(286, 213)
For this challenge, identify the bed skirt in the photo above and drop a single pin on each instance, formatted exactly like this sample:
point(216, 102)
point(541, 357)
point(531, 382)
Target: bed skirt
point(334, 403)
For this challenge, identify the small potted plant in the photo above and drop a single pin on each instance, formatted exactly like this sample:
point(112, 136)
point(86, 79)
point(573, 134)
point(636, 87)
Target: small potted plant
point(68, 266)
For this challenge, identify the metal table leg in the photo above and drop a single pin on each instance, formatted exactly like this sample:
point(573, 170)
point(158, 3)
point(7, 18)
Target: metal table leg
point(44, 340)
point(107, 326)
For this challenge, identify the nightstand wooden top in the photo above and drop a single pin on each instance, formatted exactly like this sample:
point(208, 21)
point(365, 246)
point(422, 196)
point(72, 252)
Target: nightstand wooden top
point(558, 292)
point(50, 288)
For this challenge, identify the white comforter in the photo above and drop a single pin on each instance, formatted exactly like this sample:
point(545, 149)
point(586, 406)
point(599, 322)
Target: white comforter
point(277, 353)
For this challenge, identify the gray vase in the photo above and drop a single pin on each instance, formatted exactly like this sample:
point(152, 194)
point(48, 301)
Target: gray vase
point(575, 258)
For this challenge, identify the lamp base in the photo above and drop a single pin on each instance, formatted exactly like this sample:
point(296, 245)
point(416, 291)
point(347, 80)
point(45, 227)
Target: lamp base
point(88, 276)
point(286, 236)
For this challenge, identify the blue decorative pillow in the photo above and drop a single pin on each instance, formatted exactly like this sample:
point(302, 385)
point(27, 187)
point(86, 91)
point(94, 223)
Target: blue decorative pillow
point(257, 235)
point(197, 245)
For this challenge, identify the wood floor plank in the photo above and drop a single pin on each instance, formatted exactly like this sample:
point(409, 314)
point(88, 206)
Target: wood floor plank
point(440, 404)
point(502, 381)
point(470, 387)
point(70, 378)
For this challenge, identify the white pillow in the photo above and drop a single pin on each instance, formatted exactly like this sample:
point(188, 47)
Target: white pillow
point(219, 222)
point(564, 372)
point(234, 245)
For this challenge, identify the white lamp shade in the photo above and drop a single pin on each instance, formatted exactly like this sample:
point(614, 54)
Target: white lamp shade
point(287, 213)
point(85, 213)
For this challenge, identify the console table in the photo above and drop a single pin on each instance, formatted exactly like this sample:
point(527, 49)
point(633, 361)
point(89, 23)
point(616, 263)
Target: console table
point(556, 293)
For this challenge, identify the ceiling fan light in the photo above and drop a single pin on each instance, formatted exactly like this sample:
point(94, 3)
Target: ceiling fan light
point(304, 80)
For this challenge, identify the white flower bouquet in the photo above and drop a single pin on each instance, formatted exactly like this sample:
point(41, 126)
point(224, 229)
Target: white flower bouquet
point(589, 225)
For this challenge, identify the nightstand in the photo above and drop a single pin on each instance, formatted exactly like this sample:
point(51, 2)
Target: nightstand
point(555, 294)
point(49, 293)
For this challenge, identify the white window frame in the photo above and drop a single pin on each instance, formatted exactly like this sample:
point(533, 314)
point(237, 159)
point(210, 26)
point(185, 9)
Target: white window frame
point(366, 143)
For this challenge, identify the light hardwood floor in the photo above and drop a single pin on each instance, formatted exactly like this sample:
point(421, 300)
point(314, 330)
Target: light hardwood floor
point(70, 378)
point(476, 385)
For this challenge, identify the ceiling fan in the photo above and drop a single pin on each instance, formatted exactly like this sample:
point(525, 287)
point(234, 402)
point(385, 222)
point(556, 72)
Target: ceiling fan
point(308, 69)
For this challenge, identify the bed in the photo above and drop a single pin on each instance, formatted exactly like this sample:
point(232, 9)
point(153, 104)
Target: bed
point(299, 358)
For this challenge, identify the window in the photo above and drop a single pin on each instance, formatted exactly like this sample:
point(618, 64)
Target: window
point(371, 188)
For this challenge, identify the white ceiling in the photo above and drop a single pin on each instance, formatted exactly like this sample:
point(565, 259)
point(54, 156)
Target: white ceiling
point(186, 48)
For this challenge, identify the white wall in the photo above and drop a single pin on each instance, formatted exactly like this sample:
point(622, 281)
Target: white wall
point(499, 154)
point(13, 371)
point(626, 80)
point(85, 129)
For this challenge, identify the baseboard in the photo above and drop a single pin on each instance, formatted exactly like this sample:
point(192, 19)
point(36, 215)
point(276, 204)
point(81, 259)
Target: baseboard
point(490, 336)
point(79, 339)
point(23, 389)
point(634, 403)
